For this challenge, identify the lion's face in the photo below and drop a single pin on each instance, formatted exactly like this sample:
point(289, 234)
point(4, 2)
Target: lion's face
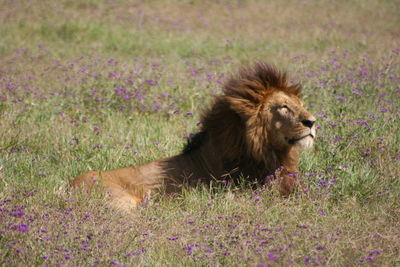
point(290, 123)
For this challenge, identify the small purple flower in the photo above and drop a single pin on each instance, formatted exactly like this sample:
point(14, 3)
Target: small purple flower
point(374, 252)
point(362, 122)
point(158, 107)
point(18, 213)
point(268, 177)
point(307, 260)
point(271, 256)
point(362, 73)
point(21, 227)
point(151, 82)
point(86, 216)
point(113, 74)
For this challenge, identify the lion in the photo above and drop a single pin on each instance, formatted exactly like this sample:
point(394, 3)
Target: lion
point(256, 127)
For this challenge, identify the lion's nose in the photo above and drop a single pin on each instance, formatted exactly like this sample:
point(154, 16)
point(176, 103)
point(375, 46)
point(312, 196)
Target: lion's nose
point(308, 123)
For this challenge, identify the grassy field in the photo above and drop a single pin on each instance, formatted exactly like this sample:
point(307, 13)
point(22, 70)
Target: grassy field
point(96, 84)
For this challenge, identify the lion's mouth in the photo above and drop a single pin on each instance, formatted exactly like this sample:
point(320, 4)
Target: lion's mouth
point(293, 141)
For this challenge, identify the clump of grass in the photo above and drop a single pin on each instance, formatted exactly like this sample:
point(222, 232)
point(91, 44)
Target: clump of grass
point(99, 85)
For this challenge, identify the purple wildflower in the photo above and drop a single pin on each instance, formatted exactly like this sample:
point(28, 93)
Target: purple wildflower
point(18, 213)
point(302, 226)
point(374, 252)
point(271, 256)
point(151, 82)
point(21, 227)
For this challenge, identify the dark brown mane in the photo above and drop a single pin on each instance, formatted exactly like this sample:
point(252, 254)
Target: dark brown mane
point(255, 83)
point(195, 141)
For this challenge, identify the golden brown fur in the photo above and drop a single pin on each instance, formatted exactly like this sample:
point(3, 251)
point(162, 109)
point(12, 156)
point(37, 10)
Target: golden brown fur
point(255, 127)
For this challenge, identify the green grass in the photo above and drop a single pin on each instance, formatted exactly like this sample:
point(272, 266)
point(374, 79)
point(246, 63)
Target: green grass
point(90, 85)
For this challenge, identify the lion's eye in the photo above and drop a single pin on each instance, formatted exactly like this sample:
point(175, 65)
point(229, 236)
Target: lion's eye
point(284, 110)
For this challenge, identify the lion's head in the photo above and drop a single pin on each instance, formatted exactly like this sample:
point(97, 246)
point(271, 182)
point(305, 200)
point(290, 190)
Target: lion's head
point(288, 122)
point(258, 114)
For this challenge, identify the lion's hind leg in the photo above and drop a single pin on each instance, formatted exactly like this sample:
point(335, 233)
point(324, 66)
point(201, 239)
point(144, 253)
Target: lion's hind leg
point(121, 199)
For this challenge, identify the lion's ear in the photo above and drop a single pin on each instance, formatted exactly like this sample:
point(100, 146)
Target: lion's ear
point(243, 107)
point(295, 89)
